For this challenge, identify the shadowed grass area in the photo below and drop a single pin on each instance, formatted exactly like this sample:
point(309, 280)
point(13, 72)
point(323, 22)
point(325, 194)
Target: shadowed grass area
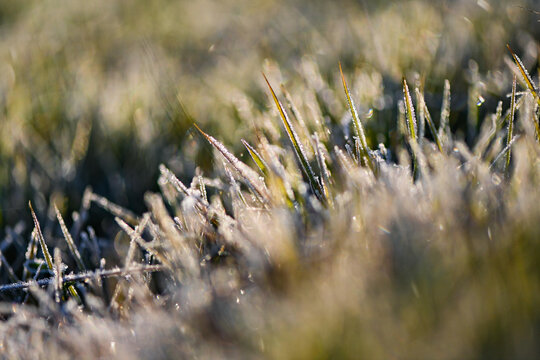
point(373, 195)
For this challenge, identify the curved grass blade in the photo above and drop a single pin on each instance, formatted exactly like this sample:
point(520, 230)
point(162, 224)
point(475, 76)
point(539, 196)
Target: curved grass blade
point(298, 148)
point(510, 126)
point(249, 176)
point(525, 74)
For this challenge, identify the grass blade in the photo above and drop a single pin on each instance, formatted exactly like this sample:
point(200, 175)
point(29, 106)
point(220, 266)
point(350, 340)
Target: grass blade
point(135, 237)
point(256, 157)
point(510, 125)
point(69, 240)
point(41, 239)
point(325, 179)
point(427, 116)
point(525, 74)
point(174, 181)
point(250, 177)
point(114, 209)
point(57, 275)
point(411, 123)
point(9, 269)
point(298, 148)
point(357, 124)
point(444, 130)
point(84, 276)
point(411, 118)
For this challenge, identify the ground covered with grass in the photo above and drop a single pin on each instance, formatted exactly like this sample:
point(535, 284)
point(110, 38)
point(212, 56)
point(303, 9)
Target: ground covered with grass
point(373, 194)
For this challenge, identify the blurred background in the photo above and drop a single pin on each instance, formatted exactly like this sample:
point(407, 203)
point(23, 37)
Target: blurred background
point(99, 93)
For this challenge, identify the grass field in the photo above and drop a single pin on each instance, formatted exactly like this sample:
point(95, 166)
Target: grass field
point(269, 179)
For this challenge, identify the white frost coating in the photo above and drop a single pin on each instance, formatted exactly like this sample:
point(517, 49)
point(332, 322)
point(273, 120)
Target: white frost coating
point(249, 176)
point(411, 119)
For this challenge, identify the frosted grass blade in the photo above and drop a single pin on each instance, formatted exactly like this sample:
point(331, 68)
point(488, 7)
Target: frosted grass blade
point(444, 131)
point(525, 74)
point(261, 164)
point(298, 148)
point(411, 118)
point(427, 116)
point(510, 126)
point(114, 209)
point(84, 276)
point(41, 239)
point(250, 177)
point(69, 240)
point(358, 128)
point(325, 179)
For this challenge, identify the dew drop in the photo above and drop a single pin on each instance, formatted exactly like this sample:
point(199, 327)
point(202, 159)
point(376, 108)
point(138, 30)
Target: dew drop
point(369, 114)
point(480, 100)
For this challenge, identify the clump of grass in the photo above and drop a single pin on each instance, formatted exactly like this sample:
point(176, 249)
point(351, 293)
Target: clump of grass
point(340, 252)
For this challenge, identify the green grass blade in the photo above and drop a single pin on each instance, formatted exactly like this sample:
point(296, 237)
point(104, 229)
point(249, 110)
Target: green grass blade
point(411, 118)
point(525, 74)
point(510, 126)
point(297, 145)
point(357, 124)
point(41, 239)
point(261, 164)
point(420, 115)
point(69, 240)
point(411, 123)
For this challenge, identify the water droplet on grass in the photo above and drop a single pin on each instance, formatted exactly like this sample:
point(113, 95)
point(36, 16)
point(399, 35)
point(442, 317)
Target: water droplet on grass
point(480, 100)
